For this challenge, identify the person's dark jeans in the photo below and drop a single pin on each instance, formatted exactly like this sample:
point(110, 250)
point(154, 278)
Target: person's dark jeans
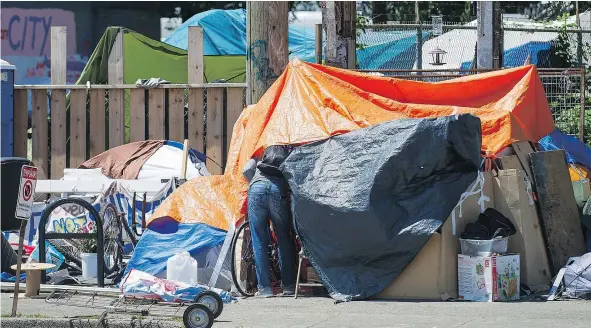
point(268, 199)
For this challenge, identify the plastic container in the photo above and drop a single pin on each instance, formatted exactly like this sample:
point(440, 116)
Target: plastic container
point(499, 245)
point(182, 267)
point(88, 265)
point(474, 247)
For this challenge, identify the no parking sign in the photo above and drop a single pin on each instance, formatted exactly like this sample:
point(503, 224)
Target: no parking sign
point(26, 190)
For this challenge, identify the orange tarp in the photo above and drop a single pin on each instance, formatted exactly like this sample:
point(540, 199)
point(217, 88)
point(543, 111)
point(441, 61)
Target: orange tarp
point(310, 102)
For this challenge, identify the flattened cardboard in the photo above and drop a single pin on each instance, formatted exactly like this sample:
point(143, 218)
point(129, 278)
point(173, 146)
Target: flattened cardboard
point(514, 199)
point(522, 150)
point(558, 209)
point(434, 270)
point(509, 162)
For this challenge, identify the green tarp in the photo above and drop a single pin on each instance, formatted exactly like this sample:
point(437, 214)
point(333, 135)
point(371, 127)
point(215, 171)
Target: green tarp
point(144, 58)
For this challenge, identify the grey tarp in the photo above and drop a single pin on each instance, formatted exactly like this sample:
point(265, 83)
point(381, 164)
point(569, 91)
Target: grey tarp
point(367, 201)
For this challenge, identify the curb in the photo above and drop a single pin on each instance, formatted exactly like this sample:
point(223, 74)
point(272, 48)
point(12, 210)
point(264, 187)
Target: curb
point(87, 323)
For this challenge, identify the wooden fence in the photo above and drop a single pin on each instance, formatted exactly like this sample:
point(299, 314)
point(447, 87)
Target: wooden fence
point(72, 123)
point(87, 121)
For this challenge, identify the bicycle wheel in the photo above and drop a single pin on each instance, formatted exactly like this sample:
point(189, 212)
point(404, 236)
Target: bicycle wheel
point(129, 232)
point(243, 266)
point(112, 234)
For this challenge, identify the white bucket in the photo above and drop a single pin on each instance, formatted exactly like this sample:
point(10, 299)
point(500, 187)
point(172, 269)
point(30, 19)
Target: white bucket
point(89, 265)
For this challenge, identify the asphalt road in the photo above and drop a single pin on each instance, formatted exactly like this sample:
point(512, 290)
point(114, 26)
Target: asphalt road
point(322, 312)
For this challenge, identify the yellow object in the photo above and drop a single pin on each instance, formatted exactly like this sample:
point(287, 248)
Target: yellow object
point(578, 172)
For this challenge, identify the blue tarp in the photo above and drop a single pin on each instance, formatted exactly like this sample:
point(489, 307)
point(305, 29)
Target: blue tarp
point(165, 237)
point(576, 150)
point(224, 33)
point(515, 57)
point(387, 49)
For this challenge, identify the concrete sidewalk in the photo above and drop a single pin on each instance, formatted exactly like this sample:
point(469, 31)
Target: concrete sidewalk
point(322, 312)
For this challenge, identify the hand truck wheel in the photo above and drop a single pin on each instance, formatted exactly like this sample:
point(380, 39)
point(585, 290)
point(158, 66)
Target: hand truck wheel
point(198, 316)
point(212, 300)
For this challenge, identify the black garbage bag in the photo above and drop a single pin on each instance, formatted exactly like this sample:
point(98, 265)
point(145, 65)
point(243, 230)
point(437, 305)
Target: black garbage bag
point(490, 224)
point(366, 202)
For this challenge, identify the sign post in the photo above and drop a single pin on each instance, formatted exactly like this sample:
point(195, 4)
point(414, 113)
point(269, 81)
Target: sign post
point(24, 209)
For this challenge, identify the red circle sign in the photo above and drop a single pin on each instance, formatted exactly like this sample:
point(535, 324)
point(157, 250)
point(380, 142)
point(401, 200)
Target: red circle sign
point(27, 190)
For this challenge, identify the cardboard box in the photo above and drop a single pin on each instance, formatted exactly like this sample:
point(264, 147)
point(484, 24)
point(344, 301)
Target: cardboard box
point(515, 200)
point(489, 279)
point(432, 275)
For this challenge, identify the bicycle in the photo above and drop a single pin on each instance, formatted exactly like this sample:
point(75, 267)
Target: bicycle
point(114, 225)
point(244, 272)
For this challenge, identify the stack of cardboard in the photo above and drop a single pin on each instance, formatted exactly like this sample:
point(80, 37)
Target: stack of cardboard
point(525, 188)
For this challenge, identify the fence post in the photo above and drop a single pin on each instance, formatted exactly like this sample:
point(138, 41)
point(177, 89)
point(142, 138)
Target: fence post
point(582, 129)
point(195, 102)
point(58, 101)
point(116, 96)
point(419, 43)
point(318, 44)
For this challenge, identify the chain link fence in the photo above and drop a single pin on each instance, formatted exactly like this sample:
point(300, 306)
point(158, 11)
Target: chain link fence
point(394, 46)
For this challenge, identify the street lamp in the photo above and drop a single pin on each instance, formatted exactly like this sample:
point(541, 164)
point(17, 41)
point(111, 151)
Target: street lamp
point(437, 56)
point(438, 53)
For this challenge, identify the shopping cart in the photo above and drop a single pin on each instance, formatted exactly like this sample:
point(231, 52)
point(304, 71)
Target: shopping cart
point(201, 313)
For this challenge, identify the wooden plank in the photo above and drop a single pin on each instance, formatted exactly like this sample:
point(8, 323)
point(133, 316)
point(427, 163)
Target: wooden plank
point(137, 115)
point(214, 151)
point(58, 54)
point(156, 114)
point(195, 56)
point(97, 122)
point(235, 104)
point(522, 149)
point(115, 62)
point(176, 114)
point(77, 127)
point(196, 119)
point(557, 207)
point(20, 133)
point(58, 133)
point(40, 132)
point(116, 117)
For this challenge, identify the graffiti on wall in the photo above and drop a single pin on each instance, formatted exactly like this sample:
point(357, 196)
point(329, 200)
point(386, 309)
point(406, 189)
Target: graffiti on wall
point(26, 43)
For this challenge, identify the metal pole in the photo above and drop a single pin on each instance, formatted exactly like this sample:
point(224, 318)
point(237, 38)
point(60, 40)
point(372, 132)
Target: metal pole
point(579, 36)
point(582, 129)
point(21, 237)
point(419, 42)
point(318, 43)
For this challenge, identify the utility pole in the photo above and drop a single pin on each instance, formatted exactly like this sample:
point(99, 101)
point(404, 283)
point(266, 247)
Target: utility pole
point(267, 47)
point(497, 35)
point(339, 19)
point(484, 43)
point(489, 49)
point(419, 37)
point(579, 36)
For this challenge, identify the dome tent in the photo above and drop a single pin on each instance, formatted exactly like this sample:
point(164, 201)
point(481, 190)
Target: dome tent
point(150, 159)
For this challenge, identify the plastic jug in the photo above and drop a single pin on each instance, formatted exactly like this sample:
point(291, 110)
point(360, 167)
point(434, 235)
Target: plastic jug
point(182, 267)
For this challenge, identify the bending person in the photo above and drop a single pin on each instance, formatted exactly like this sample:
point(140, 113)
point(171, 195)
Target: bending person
point(267, 197)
